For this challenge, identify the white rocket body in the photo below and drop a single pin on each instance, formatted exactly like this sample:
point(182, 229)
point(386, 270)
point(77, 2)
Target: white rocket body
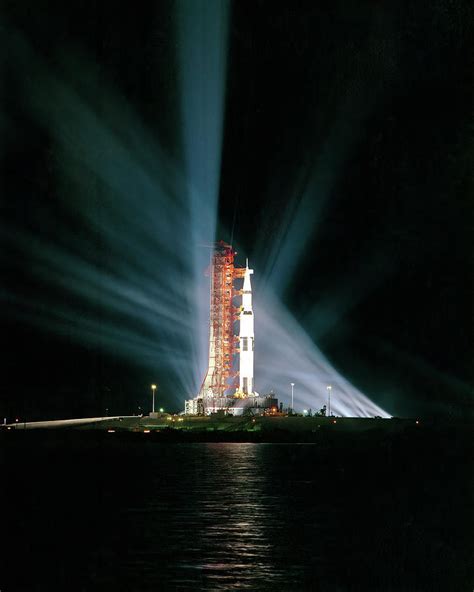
point(246, 337)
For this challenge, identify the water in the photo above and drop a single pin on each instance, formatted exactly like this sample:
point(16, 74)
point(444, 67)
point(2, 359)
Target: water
point(105, 514)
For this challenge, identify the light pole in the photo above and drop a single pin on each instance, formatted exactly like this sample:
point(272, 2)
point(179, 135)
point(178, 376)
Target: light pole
point(153, 389)
point(292, 393)
point(329, 389)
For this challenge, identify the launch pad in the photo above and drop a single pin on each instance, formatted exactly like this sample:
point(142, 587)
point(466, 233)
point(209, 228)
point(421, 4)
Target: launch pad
point(228, 388)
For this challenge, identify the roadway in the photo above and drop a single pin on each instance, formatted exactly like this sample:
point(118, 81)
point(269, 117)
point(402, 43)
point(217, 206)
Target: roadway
point(61, 423)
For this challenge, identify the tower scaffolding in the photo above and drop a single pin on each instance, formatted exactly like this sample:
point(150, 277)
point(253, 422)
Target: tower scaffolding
point(223, 314)
point(226, 389)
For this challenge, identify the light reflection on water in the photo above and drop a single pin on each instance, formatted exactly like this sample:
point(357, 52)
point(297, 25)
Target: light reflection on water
point(215, 517)
point(357, 514)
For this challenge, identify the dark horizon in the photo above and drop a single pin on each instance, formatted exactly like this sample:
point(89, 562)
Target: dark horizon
point(345, 178)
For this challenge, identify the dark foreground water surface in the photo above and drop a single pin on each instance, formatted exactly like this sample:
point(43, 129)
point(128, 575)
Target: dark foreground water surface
point(107, 512)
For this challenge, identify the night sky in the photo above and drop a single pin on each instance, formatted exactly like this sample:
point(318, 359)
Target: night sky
point(353, 117)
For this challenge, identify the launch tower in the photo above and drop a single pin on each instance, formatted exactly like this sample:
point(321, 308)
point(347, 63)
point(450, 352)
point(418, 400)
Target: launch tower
point(222, 315)
point(223, 388)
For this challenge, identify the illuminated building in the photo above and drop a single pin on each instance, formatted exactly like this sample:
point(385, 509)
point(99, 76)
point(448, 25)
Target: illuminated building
point(194, 407)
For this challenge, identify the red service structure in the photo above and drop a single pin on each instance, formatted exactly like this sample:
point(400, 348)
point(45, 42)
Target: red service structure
point(222, 316)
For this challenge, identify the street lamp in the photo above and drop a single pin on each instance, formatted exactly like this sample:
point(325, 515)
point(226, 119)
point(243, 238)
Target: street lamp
point(153, 389)
point(292, 393)
point(329, 389)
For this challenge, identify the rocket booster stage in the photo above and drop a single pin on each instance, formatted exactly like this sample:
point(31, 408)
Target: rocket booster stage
point(246, 336)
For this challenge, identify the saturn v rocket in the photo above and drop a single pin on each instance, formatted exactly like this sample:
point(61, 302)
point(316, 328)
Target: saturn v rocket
point(246, 336)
